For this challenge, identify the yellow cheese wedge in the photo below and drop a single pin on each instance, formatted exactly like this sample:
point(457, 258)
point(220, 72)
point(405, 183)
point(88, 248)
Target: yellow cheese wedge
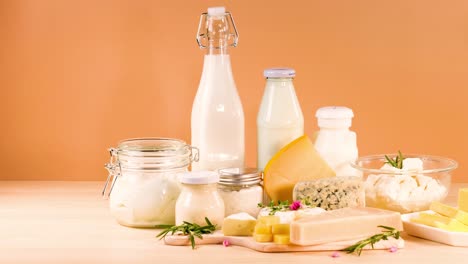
point(297, 161)
point(463, 199)
point(280, 229)
point(263, 238)
point(453, 226)
point(281, 239)
point(262, 229)
point(241, 224)
point(450, 212)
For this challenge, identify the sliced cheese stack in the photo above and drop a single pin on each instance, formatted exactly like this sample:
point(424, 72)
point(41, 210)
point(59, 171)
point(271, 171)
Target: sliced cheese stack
point(342, 224)
point(297, 161)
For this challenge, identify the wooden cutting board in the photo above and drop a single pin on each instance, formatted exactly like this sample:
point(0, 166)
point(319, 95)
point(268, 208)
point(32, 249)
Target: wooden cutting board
point(249, 242)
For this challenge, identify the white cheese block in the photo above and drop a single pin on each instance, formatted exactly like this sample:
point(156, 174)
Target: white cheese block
point(342, 224)
point(286, 217)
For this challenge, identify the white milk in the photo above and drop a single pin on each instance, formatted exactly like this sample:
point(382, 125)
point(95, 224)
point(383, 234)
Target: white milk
point(280, 118)
point(217, 114)
point(335, 143)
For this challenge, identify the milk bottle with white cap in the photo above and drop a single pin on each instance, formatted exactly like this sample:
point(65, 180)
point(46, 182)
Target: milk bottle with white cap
point(335, 142)
point(217, 122)
point(280, 119)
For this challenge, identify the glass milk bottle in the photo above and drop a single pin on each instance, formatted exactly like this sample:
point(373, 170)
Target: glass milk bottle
point(280, 118)
point(335, 142)
point(217, 116)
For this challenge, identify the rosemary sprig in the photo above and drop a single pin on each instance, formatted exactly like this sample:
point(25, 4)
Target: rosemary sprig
point(397, 162)
point(386, 233)
point(191, 230)
point(280, 206)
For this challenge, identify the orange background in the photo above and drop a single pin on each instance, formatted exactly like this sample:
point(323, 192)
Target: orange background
point(76, 76)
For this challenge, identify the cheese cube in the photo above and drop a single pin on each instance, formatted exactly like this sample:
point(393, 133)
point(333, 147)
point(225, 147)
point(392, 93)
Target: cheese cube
point(281, 239)
point(263, 237)
point(280, 229)
point(463, 199)
point(269, 219)
point(241, 224)
point(342, 224)
point(262, 229)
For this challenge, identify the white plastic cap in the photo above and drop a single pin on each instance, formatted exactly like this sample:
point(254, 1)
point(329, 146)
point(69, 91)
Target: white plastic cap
point(199, 177)
point(334, 117)
point(216, 11)
point(279, 73)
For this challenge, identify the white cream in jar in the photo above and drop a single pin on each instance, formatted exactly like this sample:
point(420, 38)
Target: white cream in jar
point(144, 186)
point(199, 198)
point(241, 190)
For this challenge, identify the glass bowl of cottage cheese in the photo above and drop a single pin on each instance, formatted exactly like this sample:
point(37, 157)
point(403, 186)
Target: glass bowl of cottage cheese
point(408, 184)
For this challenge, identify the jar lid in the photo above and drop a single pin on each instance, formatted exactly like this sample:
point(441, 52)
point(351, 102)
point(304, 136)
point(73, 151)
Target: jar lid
point(239, 176)
point(199, 177)
point(334, 116)
point(279, 73)
point(153, 154)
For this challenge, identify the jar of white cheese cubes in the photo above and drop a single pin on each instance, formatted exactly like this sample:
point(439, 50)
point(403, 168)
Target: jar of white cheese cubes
point(421, 180)
point(241, 190)
point(142, 185)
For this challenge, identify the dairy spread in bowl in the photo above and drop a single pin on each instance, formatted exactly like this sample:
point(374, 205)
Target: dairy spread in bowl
point(412, 187)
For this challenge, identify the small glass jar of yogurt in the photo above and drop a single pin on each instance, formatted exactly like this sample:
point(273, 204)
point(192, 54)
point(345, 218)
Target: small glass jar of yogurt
point(199, 198)
point(142, 185)
point(241, 190)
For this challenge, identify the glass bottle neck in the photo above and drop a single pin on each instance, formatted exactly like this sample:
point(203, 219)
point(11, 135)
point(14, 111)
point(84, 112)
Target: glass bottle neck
point(217, 49)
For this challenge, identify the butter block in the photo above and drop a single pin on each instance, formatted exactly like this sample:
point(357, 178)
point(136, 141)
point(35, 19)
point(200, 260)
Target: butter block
point(342, 224)
point(453, 226)
point(297, 161)
point(281, 239)
point(463, 199)
point(450, 212)
point(430, 219)
point(241, 224)
point(331, 193)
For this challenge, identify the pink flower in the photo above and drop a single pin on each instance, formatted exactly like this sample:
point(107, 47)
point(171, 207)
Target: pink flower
point(393, 249)
point(226, 243)
point(295, 205)
point(335, 255)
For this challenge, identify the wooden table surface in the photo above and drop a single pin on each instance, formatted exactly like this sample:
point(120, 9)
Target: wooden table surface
point(68, 222)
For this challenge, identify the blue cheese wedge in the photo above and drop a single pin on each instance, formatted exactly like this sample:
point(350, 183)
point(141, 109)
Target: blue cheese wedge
point(331, 193)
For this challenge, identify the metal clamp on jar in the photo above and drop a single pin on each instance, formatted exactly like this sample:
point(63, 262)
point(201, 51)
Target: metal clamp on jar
point(143, 179)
